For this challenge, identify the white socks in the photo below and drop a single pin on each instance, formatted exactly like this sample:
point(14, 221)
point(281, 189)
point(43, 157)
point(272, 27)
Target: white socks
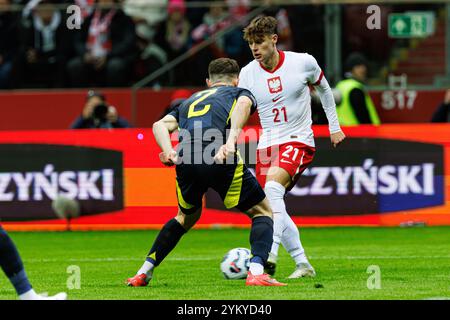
point(291, 242)
point(147, 268)
point(277, 234)
point(284, 229)
point(32, 295)
point(256, 269)
point(29, 295)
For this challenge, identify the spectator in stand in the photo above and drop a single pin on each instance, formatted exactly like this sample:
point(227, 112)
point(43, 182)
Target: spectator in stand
point(238, 9)
point(442, 113)
point(151, 56)
point(284, 31)
point(86, 6)
point(44, 44)
point(177, 32)
point(213, 21)
point(195, 14)
point(177, 27)
point(8, 43)
point(231, 44)
point(97, 113)
point(105, 48)
point(235, 45)
point(152, 11)
point(149, 17)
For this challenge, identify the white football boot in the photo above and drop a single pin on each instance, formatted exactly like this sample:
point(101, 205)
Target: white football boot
point(303, 270)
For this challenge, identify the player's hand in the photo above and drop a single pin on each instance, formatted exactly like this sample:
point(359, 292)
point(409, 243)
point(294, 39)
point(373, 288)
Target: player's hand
point(220, 155)
point(224, 152)
point(88, 109)
point(447, 97)
point(169, 159)
point(230, 149)
point(337, 138)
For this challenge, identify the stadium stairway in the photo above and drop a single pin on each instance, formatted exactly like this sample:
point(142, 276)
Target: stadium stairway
point(424, 59)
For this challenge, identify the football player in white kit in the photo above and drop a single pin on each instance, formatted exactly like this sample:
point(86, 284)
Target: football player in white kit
point(280, 82)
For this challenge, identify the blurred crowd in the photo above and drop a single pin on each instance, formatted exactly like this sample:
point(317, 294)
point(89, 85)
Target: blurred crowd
point(116, 43)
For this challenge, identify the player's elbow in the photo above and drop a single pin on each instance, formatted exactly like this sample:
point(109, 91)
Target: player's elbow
point(244, 108)
point(157, 126)
point(245, 111)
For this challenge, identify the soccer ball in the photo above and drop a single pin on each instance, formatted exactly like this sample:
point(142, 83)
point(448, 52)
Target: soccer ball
point(235, 263)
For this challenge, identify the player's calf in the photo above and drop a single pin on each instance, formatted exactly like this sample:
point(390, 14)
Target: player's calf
point(12, 265)
point(164, 243)
point(261, 238)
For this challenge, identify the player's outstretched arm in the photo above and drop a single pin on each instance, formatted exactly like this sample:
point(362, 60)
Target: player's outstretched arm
point(329, 106)
point(239, 118)
point(162, 130)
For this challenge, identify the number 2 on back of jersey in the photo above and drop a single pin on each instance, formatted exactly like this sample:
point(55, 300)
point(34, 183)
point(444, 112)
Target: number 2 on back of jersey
point(198, 113)
point(277, 117)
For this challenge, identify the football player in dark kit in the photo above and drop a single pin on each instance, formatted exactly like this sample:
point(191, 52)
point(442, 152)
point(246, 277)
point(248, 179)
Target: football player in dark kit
point(210, 122)
point(12, 265)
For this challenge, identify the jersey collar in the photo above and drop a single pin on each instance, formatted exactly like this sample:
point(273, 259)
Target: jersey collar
point(278, 66)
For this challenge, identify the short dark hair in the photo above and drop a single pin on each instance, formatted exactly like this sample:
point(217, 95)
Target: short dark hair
point(223, 69)
point(260, 27)
point(355, 59)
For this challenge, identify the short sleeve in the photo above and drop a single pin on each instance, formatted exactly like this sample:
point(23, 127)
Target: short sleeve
point(248, 94)
point(175, 112)
point(243, 80)
point(314, 72)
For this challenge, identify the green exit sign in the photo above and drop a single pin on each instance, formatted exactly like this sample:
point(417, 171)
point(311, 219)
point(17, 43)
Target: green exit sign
point(411, 24)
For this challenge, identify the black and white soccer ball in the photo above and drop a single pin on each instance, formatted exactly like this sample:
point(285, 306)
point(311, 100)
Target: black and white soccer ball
point(235, 263)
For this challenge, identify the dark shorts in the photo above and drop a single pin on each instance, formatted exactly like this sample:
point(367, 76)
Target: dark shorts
point(235, 184)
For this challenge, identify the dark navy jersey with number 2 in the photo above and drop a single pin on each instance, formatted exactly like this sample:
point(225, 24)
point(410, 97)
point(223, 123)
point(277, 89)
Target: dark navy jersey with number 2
point(204, 118)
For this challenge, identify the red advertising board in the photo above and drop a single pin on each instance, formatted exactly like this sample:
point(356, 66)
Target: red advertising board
point(382, 176)
point(57, 109)
point(407, 105)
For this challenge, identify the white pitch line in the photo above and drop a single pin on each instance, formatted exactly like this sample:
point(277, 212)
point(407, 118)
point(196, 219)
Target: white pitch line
point(119, 259)
point(376, 257)
point(210, 258)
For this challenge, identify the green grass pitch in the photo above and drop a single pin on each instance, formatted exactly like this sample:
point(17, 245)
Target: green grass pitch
point(414, 263)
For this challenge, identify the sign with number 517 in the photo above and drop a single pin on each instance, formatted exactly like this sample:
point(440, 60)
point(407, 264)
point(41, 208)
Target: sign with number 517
point(403, 99)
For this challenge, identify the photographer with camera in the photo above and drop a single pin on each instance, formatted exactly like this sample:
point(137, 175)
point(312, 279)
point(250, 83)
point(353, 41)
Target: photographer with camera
point(98, 114)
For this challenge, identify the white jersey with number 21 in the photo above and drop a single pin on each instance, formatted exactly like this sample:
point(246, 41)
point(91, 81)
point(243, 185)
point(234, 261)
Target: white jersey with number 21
point(283, 97)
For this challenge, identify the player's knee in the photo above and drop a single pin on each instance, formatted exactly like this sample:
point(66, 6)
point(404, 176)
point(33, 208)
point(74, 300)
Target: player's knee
point(275, 193)
point(274, 190)
point(188, 220)
point(260, 210)
point(278, 175)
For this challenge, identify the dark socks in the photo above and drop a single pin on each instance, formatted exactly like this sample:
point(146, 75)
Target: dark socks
point(261, 238)
point(12, 265)
point(166, 240)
